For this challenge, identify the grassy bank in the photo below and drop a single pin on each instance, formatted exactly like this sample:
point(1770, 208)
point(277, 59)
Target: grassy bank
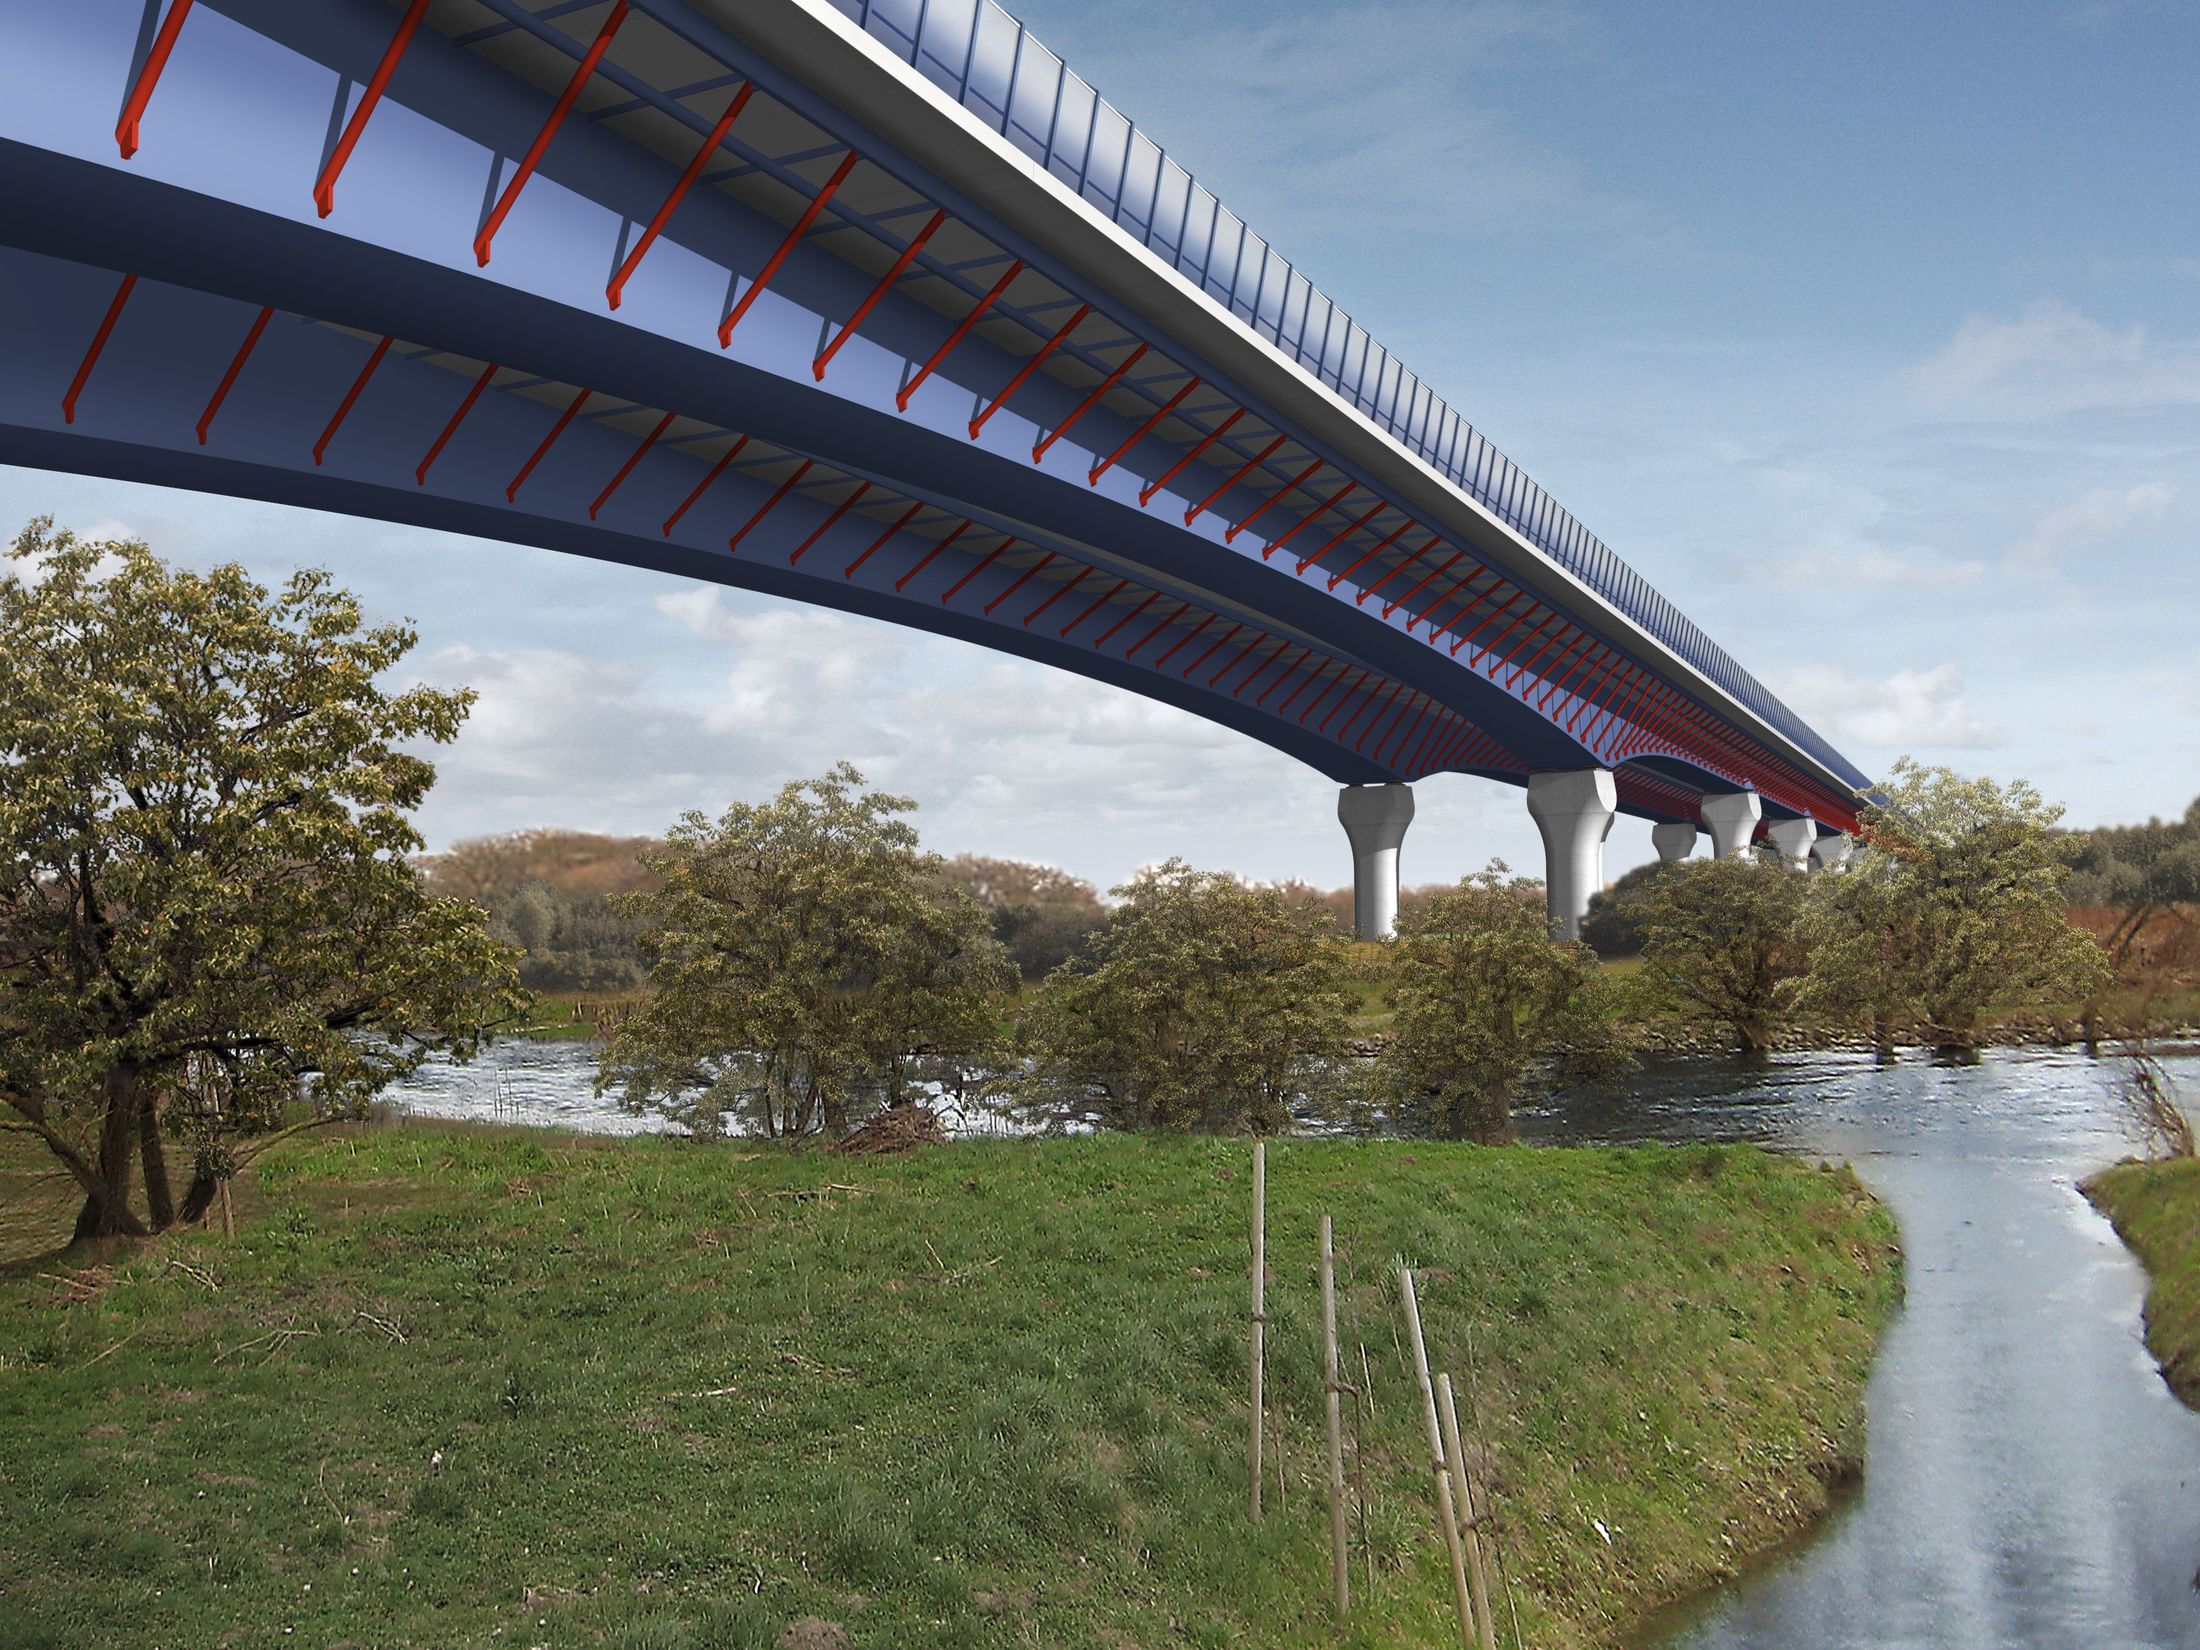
point(2156, 1210)
point(455, 1388)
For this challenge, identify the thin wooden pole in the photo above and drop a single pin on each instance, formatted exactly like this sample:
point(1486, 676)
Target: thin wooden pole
point(1470, 1514)
point(1260, 1317)
point(1447, 1516)
point(1340, 1566)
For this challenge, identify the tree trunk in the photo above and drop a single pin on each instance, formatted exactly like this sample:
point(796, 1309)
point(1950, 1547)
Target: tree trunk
point(198, 1197)
point(106, 1212)
point(160, 1200)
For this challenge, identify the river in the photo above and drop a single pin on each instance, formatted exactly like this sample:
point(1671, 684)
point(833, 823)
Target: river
point(2030, 1482)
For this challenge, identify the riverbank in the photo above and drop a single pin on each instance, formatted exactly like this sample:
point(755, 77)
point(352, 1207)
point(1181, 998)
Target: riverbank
point(2155, 1208)
point(453, 1386)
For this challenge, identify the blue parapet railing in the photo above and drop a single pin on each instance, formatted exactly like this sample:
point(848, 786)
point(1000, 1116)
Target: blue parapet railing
point(994, 67)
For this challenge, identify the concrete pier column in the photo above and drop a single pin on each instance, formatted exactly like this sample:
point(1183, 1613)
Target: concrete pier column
point(1574, 811)
point(1732, 821)
point(1792, 838)
point(1673, 838)
point(1831, 853)
point(1375, 818)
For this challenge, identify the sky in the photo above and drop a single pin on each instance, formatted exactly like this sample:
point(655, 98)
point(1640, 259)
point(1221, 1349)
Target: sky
point(1869, 334)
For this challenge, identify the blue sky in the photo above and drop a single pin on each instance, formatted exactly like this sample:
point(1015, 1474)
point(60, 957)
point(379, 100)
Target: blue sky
point(1870, 334)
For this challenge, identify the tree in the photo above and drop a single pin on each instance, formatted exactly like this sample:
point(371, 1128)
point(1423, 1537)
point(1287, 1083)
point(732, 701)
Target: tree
point(1041, 914)
point(1203, 1005)
point(208, 921)
point(2147, 873)
point(808, 963)
point(567, 943)
point(1720, 942)
point(1484, 1002)
point(1953, 902)
point(1612, 927)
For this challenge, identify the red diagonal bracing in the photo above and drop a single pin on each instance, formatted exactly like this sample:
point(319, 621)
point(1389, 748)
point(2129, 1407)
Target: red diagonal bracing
point(1160, 625)
point(1236, 476)
point(1114, 377)
point(855, 498)
point(1437, 600)
point(1181, 640)
point(1308, 520)
point(1343, 533)
point(1153, 418)
point(786, 248)
point(1059, 591)
point(351, 397)
point(123, 289)
point(960, 332)
point(1107, 634)
point(1024, 372)
point(1367, 556)
point(465, 406)
point(893, 527)
point(1244, 654)
point(1222, 640)
point(535, 150)
point(635, 457)
point(148, 76)
point(885, 285)
point(324, 186)
point(1021, 579)
point(236, 365)
point(615, 292)
point(1146, 493)
point(769, 505)
point(930, 556)
point(701, 487)
point(1290, 670)
point(987, 560)
point(572, 409)
point(1094, 606)
point(1274, 498)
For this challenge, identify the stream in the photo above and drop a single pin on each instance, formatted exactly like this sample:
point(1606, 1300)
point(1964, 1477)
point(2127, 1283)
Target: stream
point(2030, 1481)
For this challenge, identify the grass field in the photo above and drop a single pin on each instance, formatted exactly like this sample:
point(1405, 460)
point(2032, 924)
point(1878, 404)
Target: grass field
point(2156, 1210)
point(484, 1387)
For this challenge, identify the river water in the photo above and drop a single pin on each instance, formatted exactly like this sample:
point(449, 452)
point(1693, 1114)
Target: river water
point(2030, 1482)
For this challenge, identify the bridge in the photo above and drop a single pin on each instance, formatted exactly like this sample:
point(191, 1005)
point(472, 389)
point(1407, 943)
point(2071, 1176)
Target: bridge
point(868, 303)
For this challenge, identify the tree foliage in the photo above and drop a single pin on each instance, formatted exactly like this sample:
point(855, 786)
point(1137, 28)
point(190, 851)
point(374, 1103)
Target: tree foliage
point(1041, 914)
point(207, 911)
point(2146, 873)
point(809, 964)
point(1720, 943)
point(568, 943)
point(1613, 924)
point(1203, 1005)
point(1954, 900)
point(1485, 1004)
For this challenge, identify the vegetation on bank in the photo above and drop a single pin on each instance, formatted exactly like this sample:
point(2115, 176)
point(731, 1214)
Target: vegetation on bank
point(453, 1388)
point(2155, 1208)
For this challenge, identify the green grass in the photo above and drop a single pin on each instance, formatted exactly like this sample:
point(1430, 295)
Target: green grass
point(2156, 1210)
point(457, 1387)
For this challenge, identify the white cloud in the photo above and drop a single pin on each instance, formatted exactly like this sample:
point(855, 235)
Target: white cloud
point(2093, 519)
point(1910, 711)
point(2053, 359)
point(1832, 569)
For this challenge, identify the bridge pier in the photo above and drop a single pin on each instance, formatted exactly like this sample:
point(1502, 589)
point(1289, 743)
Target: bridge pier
point(1831, 853)
point(1574, 811)
point(1732, 821)
point(1792, 839)
point(1674, 839)
point(1375, 818)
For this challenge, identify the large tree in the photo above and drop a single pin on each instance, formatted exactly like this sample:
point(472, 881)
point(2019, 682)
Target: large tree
point(208, 921)
point(1720, 943)
point(809, 962)
point(1954, 903)
point(1485, 1004)
point(1204, 1004)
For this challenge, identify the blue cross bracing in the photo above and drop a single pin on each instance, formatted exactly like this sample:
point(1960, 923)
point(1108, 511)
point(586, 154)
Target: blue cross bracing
point(870, 305)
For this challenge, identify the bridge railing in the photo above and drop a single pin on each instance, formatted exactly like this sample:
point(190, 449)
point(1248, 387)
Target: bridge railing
point(995, 68)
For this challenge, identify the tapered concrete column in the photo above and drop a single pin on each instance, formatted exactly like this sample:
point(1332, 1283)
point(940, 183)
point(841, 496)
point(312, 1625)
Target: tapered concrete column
point(1732, 821)
point(1574, 811)
point(1673, 838)
point(1792, 838)
point(1831, 853)
point(1375, 818)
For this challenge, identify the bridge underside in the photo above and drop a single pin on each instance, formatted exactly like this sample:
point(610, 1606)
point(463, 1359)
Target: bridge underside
point(828, 377)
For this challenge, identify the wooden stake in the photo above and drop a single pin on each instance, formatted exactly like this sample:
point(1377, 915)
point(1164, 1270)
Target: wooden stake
point(1447, 1517)
point(1455, 1456)
point(1340, 1571)
point(229, 1216)
point(1260, 1316)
